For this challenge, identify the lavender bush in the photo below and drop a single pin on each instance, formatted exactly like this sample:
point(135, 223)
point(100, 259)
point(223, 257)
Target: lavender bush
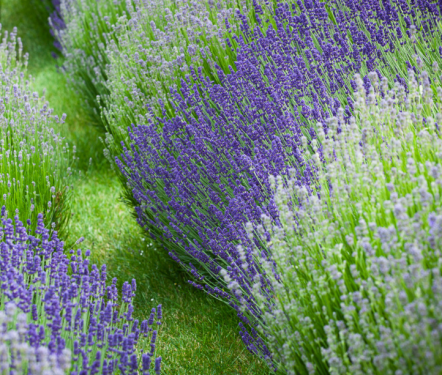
point(198, 177)
point(358, 286)
point(34, 159)
point(58, 314)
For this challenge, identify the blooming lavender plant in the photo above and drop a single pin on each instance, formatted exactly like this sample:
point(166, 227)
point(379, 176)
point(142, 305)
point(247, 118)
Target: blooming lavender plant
point(82, 29)
point(358, 286)
point(198, 177)
point(383, 28)
point(34, 159)
point(58, 312)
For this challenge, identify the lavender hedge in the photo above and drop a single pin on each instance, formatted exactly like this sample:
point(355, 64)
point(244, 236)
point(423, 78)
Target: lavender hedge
point(160, 42)
point(334, 40)
point(35, 160)
point(58, 314)
point(198, 177)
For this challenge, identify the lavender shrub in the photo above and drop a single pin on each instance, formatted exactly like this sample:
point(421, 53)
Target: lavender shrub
point(58, 312)
point(198, 177)
point(35, 161)
point(358, 288)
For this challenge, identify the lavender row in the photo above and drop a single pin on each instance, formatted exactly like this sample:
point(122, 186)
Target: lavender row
point(35, 160)
point(59, 314)
point(199, 176)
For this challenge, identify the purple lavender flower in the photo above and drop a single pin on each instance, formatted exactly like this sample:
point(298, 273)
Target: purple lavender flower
point(57, 24)
point(66, 299)
point(158, 365)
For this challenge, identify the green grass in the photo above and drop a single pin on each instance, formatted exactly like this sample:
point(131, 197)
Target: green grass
point(199, 335)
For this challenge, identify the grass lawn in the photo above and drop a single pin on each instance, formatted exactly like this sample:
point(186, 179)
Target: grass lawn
point(199, 335)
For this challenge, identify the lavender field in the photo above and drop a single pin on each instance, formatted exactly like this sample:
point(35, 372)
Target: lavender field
point(221, 187)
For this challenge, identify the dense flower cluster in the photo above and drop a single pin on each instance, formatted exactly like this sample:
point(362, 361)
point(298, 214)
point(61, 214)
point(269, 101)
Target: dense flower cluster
point(34, 157)
point(359, 272)
point(58, 313)
point(198, 177)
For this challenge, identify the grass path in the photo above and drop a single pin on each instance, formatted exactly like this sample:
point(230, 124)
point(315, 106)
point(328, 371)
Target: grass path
point(199, 335)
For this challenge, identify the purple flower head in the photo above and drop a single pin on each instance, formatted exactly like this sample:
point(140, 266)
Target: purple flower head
point(158, 365)
point(146, 360)
point(151, 317)
point(159, 314)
